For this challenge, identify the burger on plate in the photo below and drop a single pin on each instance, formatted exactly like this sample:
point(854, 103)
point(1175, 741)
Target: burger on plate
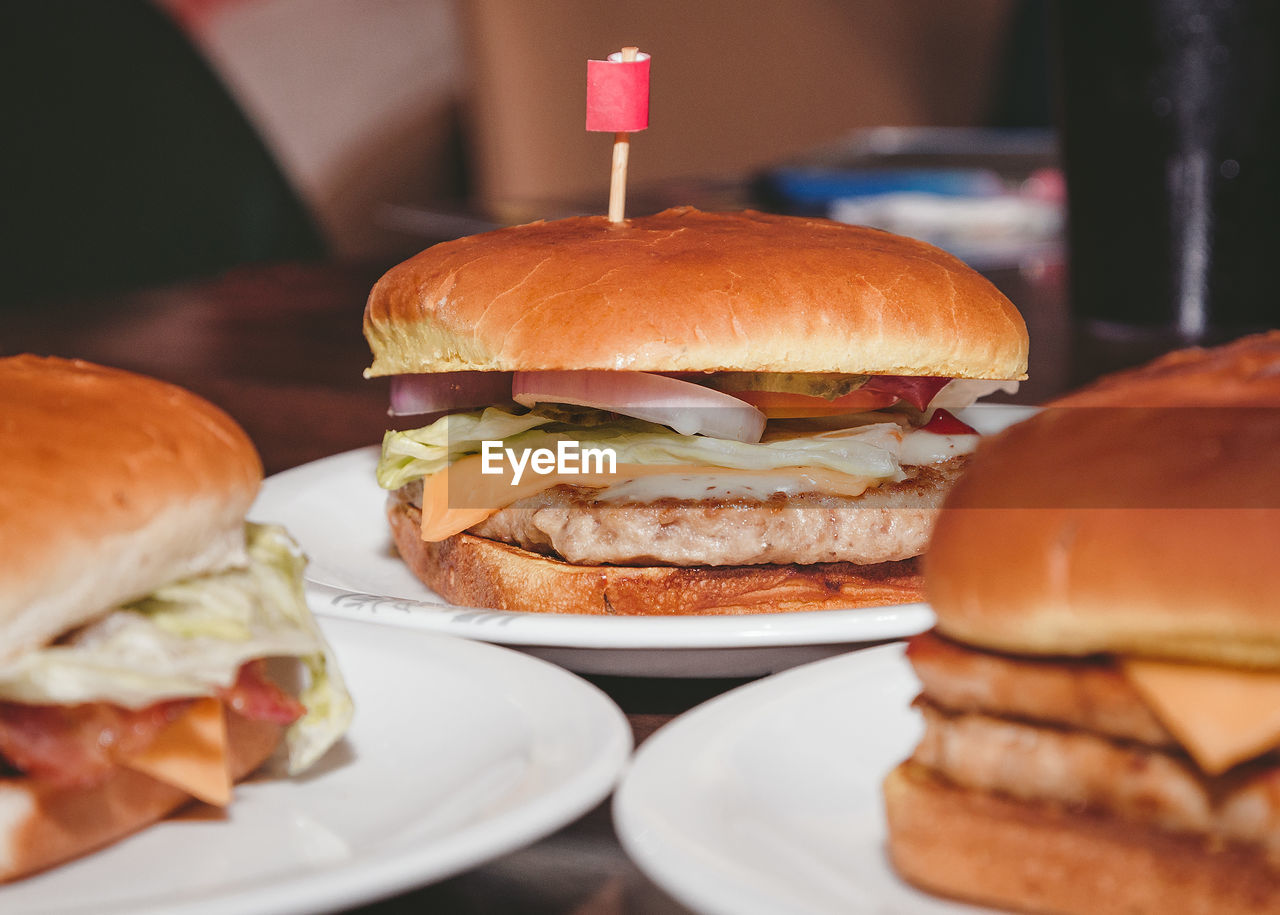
point(768, 390)
point(150, 640)
point(1102, 691)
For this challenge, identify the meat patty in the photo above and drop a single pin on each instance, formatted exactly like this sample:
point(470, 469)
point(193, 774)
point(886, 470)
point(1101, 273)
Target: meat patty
point(1089, 694)
point(1082, 770)
point(887, 523)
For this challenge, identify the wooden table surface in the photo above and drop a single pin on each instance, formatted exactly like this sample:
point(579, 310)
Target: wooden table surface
point(279, 347)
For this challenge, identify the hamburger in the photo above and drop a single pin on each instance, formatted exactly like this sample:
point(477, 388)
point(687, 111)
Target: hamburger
point(768, 390)
point(1100, 693)
point(150, 639)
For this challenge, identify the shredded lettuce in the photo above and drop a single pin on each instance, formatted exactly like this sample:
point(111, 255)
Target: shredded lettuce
point(421, 452)
point(868, 450)
point(190, 638)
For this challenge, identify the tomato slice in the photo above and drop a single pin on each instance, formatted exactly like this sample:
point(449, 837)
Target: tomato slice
point(782, 405)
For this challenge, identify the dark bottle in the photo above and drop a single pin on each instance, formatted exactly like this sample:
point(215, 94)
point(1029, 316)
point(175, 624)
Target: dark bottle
point(1171, 138)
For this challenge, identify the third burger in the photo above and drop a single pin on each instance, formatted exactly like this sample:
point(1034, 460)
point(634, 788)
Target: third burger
point(1101, 691)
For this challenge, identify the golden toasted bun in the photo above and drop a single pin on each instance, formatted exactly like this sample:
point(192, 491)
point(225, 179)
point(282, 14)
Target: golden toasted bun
point(1097, 526)
point(41, 826)
point(474, 572)
point(110, 485)
point(1040, 858)
point(690, 291)
point(1245, 373)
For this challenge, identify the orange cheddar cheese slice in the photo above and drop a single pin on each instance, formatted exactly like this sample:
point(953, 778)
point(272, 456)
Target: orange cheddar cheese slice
point(191, 754)
point(1220, 716)
point(461, 495)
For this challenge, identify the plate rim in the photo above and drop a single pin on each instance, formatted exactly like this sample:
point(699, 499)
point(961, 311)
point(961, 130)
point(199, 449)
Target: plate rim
point(580, 631)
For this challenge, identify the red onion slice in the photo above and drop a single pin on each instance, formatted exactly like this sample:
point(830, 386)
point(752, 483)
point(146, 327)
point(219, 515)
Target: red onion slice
point(688, 408)
point(439, 392)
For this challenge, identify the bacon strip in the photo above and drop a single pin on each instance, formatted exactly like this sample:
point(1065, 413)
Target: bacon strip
point(74, 745)
point(916, 390)
point(77, 745)
point(256, 697)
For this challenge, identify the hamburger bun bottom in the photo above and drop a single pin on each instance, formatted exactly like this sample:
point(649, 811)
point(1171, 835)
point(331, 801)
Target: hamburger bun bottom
point(475, 572)
point(42, 825)
point(983, 848)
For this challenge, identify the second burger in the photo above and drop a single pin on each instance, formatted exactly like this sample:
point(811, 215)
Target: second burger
point(767, 390)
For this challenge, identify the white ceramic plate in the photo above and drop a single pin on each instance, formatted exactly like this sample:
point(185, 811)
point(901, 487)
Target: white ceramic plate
point(335, 509)
point(459, 753)
point(767, 799)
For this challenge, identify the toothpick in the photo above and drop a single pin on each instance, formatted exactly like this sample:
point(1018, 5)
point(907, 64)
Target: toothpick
point(621, 151)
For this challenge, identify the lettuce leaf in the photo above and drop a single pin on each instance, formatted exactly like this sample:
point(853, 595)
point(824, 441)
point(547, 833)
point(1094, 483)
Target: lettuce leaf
point(421, 452)
point(190, 638)
point(867, 450)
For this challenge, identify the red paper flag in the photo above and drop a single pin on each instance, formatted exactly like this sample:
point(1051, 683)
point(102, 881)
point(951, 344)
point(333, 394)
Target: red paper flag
point(618, 94)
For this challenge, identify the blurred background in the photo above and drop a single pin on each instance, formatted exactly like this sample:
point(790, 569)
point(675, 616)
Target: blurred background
point(153, 142)
point(158, 140)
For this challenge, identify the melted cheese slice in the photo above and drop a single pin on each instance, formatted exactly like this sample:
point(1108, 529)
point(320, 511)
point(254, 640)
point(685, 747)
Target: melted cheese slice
point(191, 754)
point(1221, 716)
point(442, 516)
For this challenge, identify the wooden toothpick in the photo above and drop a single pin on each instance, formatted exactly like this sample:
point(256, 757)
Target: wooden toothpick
point(621, 151)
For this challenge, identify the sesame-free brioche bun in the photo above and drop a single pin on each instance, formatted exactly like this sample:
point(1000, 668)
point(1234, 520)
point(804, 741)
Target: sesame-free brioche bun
point(111, 484)
point(1244, 373)
point(1140, 516)
point(685, 290)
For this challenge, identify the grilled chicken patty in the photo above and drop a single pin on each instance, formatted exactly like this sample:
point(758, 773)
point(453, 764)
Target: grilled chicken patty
point(1085, 771)
point(886, 523)
point(1086, 693)
point(1074, 732)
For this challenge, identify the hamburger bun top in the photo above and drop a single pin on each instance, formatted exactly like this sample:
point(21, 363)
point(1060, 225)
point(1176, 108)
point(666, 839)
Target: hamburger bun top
point(690, 291)
point(1139, 516)
point(1245, 373)
point(111, 484)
